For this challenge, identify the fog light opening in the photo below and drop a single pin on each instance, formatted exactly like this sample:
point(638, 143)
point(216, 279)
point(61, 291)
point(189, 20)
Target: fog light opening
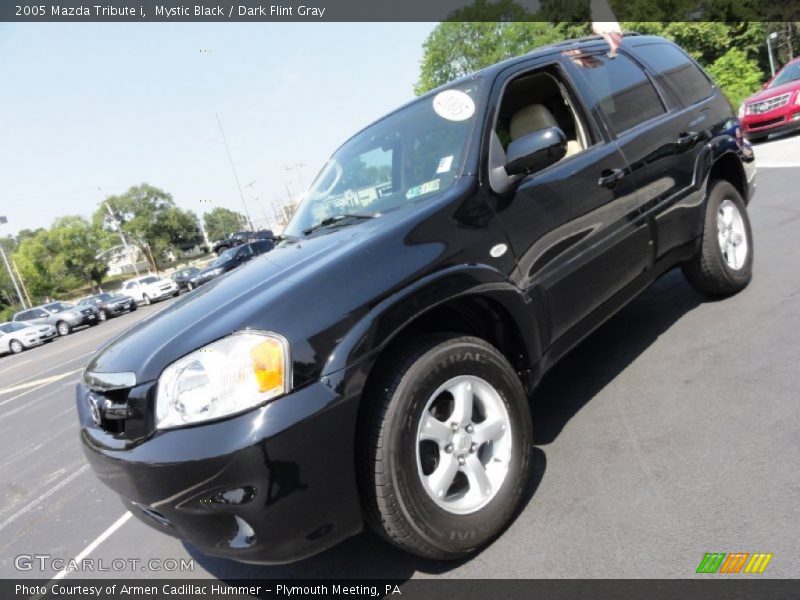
point(245, 535)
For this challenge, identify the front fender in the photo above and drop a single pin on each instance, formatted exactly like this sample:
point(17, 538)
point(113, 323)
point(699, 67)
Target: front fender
point(391, 316)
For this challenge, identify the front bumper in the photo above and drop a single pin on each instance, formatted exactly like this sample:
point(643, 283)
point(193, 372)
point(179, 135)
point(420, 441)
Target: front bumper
point(77, 321)
point(118, 309)
point(782, 121)
point(275, 484)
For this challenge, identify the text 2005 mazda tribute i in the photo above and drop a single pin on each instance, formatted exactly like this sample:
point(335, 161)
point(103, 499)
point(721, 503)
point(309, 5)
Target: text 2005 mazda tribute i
point(376, 365)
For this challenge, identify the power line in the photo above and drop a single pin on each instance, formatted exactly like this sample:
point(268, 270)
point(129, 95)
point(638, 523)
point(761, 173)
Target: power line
point(235, 174)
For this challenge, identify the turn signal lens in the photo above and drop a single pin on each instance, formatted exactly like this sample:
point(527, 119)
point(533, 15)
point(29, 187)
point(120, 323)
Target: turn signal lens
point(269, 365)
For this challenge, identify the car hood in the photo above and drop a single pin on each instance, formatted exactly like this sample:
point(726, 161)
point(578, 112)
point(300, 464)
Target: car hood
point(264, 294)
point(772, 92)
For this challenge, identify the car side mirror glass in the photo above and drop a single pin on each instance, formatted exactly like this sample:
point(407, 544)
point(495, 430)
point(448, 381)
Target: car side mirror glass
point(535, 151)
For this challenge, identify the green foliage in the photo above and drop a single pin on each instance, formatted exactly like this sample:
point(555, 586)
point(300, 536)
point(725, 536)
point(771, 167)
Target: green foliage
point(151, 221)
point(219, 222)
point(736, 75)
point(53, 261)
point(733, 53)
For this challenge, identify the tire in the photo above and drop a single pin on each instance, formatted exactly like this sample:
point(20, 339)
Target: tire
point(396, 468)
point(134, 307)
point(63, 328)
point(15, 346)
point(176, 294)
point(146, 300)
point(190, 287)
point(102, 316)
point(712, 271)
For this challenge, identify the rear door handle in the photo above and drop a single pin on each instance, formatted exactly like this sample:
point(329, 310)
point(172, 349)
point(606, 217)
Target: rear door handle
point(687, 137)
point(609, 177)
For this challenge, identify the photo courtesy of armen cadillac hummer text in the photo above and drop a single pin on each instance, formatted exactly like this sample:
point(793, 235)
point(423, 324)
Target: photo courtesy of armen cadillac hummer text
point(375, 367)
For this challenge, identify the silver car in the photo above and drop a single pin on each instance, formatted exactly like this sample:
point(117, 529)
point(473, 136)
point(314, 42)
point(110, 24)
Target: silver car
point(16, 337)
point(61, 315)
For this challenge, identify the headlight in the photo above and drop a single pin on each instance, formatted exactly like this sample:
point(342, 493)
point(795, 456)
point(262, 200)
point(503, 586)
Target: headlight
point(229, 376)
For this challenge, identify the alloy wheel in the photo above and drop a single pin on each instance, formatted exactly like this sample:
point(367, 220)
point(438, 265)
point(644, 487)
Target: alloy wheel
point(731, 235)
point(463, 444)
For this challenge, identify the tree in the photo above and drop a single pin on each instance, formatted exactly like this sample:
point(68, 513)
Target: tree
point(150, 220)
point(219, 222)
point(61, 258)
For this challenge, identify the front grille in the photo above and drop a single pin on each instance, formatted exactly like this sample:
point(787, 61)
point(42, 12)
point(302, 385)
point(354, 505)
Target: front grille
point(767, 123)
point(758, 108)
point(126, 414)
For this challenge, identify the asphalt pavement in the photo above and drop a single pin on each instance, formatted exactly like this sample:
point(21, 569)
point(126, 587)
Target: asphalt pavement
point(670, 432)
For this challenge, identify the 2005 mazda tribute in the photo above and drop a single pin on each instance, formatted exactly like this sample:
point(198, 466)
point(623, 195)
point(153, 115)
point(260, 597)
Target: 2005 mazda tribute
point(376, 365)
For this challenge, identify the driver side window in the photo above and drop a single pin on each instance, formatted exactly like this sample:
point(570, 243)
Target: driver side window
point(532, 102)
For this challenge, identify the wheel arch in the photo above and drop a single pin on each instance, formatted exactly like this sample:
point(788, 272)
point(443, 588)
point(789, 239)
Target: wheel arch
point(728, 167)
point(474, 300)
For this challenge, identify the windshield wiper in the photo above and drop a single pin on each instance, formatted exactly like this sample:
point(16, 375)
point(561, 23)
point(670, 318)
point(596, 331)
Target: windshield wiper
point(341, 219)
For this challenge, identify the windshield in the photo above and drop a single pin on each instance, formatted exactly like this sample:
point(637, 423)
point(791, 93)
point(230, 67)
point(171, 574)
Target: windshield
point(410, 155)
point(11, 327)
point(791, 72)
point(57, 307)
point(147, 280)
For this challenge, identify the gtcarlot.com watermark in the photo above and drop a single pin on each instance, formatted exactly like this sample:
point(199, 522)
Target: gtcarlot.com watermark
point(48, 562)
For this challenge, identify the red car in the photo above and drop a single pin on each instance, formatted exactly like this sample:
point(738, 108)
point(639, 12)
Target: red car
point(776, 108)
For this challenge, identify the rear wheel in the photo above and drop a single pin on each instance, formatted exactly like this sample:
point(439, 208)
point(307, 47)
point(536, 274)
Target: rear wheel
point(15, 346)
point(102, 315)
point(724, 263)
point(447, 441)
point(63, 328)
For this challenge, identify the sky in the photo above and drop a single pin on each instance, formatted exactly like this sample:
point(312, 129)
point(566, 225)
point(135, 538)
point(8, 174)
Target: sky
point(88, 106)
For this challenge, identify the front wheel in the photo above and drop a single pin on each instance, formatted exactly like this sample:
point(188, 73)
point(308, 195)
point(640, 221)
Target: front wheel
point(447, 444)
point(102, 316)
point(724, 262)
point(16, 346)
point(146, 300)
point(63, 328)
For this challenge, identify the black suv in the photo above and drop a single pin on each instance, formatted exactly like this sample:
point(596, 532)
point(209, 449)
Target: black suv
point(375, 367)
point(229, 260)
point(240, 237)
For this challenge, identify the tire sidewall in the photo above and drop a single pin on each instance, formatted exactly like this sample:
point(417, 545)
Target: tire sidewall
point(720, 192)
point(63, 328)
point(451, 533)
point(19, 346)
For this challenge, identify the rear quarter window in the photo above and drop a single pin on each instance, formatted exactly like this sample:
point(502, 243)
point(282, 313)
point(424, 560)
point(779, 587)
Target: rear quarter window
point(624, 92)
point(670, 64)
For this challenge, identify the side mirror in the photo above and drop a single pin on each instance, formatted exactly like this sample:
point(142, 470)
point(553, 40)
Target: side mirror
point(765, 85)
point(535, 151)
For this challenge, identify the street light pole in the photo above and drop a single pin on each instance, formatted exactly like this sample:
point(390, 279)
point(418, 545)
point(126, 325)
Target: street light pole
point(771, 37)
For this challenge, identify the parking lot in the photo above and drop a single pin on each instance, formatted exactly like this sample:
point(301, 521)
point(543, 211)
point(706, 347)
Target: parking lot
point(671, 432)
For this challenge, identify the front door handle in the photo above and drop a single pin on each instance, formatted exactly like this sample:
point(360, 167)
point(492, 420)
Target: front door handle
point(609, 177)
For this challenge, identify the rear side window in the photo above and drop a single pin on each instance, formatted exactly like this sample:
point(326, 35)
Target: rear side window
point(677, 70)
point(623, 90)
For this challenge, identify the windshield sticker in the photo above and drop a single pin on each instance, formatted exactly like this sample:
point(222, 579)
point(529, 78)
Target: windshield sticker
point(425, 188)
point(454, 105)
point(444, 165)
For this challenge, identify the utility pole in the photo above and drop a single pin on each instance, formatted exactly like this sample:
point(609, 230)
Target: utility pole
point(235, 174)
point(10, 272)
point(296, 167)
point(21, 282)
point(111, 214)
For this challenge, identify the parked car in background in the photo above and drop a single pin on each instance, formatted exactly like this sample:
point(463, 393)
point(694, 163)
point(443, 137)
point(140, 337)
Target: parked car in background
point(376, 367)
point(776, 108)
point(183, 276)
point(16, 337)
point(62, 315)
point(240, 237)
point(149, 288)
point(230, 259)
point(108, 304)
